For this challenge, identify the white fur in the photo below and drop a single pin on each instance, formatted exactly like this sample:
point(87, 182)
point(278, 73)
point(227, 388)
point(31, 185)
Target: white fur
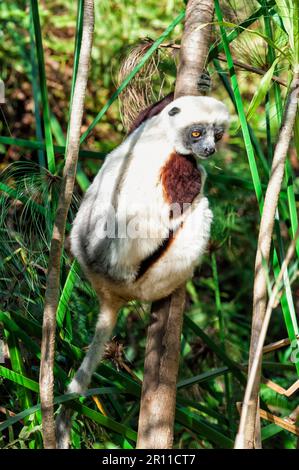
point(194, 109)
point(136, 165)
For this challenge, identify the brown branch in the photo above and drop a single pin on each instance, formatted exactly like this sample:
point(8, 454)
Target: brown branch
point(194, 46)
point(237, 63)
point(286, 423)
point(281, 422)
point(277, 345)
point(287, 392)
point(52, 289)
point(249, 430)
point(252, 69)
point(157, 408)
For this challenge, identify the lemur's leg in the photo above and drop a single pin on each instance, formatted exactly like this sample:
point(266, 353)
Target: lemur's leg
point(79, 384)
point(104, 327)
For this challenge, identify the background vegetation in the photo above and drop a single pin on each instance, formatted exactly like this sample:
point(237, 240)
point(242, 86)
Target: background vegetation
point(216, 329)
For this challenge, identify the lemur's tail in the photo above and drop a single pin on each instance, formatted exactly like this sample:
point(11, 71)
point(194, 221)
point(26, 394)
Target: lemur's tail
point(139, 93)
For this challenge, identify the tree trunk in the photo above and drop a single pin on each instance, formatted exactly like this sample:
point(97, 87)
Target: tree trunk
point(157, 408)
point(158, 397)
point(53, 279)
point(194, 46)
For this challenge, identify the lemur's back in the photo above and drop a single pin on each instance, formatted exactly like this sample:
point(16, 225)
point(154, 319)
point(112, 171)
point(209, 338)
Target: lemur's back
point(125, 189)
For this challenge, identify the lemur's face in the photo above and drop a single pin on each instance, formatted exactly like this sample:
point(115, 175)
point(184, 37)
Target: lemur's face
point(200, 139)
point(196, 124)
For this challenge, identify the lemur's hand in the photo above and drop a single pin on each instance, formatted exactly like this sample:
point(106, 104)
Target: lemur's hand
point(204, 82)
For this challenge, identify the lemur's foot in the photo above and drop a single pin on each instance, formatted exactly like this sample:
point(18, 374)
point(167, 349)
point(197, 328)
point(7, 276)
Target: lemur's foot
point(204, 82)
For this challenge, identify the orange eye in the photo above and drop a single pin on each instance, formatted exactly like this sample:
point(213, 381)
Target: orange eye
point(195, 134)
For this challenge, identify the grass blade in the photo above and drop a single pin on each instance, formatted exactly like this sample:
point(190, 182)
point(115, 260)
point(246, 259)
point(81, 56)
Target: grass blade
point(234, 368)
point(43, 86)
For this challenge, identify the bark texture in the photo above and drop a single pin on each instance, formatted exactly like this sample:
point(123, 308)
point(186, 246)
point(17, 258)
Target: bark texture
point(158, 397)
point(46, 379)
point(194, 46)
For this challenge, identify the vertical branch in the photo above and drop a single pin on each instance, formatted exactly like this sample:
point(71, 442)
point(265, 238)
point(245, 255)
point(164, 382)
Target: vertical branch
point(156, 419)
point(194, 46)
point(53, 279)
point(157, 408)
point(249, 430)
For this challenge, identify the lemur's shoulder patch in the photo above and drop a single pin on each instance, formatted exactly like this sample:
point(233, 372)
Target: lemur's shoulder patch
point(180, 178)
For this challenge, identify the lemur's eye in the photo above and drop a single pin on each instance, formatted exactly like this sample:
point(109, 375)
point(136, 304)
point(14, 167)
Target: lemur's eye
point(195, 134)
point(174, 111)
point(219, 135)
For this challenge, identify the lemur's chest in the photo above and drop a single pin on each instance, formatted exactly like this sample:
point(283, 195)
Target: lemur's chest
point(181, 179)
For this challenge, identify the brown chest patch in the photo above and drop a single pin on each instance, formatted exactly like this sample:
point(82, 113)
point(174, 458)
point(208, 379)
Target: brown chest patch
point(181, 179)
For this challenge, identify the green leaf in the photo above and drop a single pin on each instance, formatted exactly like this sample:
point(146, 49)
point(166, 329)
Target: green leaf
point(66, 293)
point(204, 377)
point(19, 379)
point(234, 368)
point(261, 90)
point(59, 149)
point(285, 10)
point(104, 421)
point(203, 428)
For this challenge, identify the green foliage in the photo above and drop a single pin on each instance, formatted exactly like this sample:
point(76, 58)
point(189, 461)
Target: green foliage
point(41, 46)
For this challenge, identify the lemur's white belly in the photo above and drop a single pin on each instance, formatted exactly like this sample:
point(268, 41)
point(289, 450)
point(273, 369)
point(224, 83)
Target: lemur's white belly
point(183, 253)
point(176, 263)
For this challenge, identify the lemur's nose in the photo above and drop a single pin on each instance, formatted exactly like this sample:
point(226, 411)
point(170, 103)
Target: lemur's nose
point(209, 150)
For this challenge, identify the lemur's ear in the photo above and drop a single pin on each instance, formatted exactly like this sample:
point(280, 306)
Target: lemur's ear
point(174, 111)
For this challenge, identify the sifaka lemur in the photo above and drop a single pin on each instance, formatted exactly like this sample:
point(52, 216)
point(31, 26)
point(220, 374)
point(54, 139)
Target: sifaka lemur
point(144, 222)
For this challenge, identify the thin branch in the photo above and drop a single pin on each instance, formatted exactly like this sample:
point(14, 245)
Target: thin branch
point(246, 435)
point(252, 69)
point(286, 423)
point(287, 392)
point(277, 345)
point(53, 279)
point(237, 63)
